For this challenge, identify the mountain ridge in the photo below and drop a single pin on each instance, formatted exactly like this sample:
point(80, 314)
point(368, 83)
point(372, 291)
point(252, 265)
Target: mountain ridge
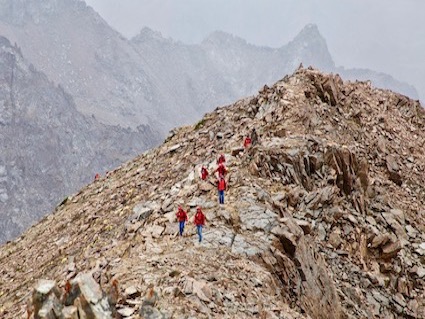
point(323, 218)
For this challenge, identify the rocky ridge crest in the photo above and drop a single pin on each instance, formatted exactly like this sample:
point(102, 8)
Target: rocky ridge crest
point(323, 218)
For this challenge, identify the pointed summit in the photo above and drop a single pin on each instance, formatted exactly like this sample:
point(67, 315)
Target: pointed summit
point(220, 38)
point(309, 31)
point(309, 47)
point(147, 34)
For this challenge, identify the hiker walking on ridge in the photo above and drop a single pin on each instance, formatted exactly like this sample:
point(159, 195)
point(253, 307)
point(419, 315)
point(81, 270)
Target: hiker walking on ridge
point(247, 142)
point(204, 173)
point(221, 159)
point(221, 186)
point(221, 170)
point(182, 219)
point(199, 222)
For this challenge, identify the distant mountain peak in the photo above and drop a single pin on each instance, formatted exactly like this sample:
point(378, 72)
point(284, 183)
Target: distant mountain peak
point(223, 38)
point(310, 28)
point(310, 33)
point(148, 33)
point(20, 12)
point(310, 45)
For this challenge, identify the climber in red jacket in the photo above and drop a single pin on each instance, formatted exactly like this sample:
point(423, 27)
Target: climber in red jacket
point(182, 219)
point(221, 188)
point(221, 170)
point(199, 222)
point(204, 173)
point(247, 142)
point(221, 159)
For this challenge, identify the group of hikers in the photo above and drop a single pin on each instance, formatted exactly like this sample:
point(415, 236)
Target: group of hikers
point(199, 220)
point(220, 172)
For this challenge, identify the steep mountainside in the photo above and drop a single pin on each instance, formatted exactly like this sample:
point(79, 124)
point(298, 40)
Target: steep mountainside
point(48, 148)
point(76, 48)
point(323, 217)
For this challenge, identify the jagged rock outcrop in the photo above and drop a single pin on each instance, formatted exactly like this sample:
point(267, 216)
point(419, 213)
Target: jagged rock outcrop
point(49, 149)
point(312, 226)
point(81, 298)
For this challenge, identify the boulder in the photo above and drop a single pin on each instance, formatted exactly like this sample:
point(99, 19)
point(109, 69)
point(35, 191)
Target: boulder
point(236, 151)
point(50, 309)
point(391, 249)
point(173, 148)
point(42, 291)
point(126, 311)
point(131, 292)
point(154, 230)
point(70, 312)
point(305, 226)
point(142, 211)
point(246, 247)
point(83, 299)
point(318, 296)
point(335, 240)
point(258, 218)
point(380, 240)
point(393, 170)
point(287, 239)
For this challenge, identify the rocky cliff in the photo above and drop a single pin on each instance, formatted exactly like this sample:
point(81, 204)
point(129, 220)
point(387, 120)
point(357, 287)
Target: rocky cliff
point(48, 148)
point(323, 217)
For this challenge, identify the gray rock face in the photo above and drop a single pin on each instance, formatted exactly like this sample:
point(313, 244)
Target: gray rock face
point(49, 149)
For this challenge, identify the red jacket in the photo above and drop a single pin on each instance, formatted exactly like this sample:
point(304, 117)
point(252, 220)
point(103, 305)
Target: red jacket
point(247, 142)
point(199, 218)
point(222, 185)
point(204, 173)
point(221, 159)
point(221, 169)
point(181, 215)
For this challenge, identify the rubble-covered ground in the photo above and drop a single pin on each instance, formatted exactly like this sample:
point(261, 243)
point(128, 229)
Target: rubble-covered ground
point(324, 217)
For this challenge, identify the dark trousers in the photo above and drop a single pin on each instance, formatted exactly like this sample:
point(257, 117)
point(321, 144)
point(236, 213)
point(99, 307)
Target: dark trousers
point(181, 227)
point(199, 229)
point(221, 197)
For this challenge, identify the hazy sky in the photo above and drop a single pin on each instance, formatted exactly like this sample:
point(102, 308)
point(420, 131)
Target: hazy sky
point(383, 35)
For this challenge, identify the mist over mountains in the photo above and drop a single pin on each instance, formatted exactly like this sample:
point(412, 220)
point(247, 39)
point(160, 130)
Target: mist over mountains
point(87, 98)
point(48, 147)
